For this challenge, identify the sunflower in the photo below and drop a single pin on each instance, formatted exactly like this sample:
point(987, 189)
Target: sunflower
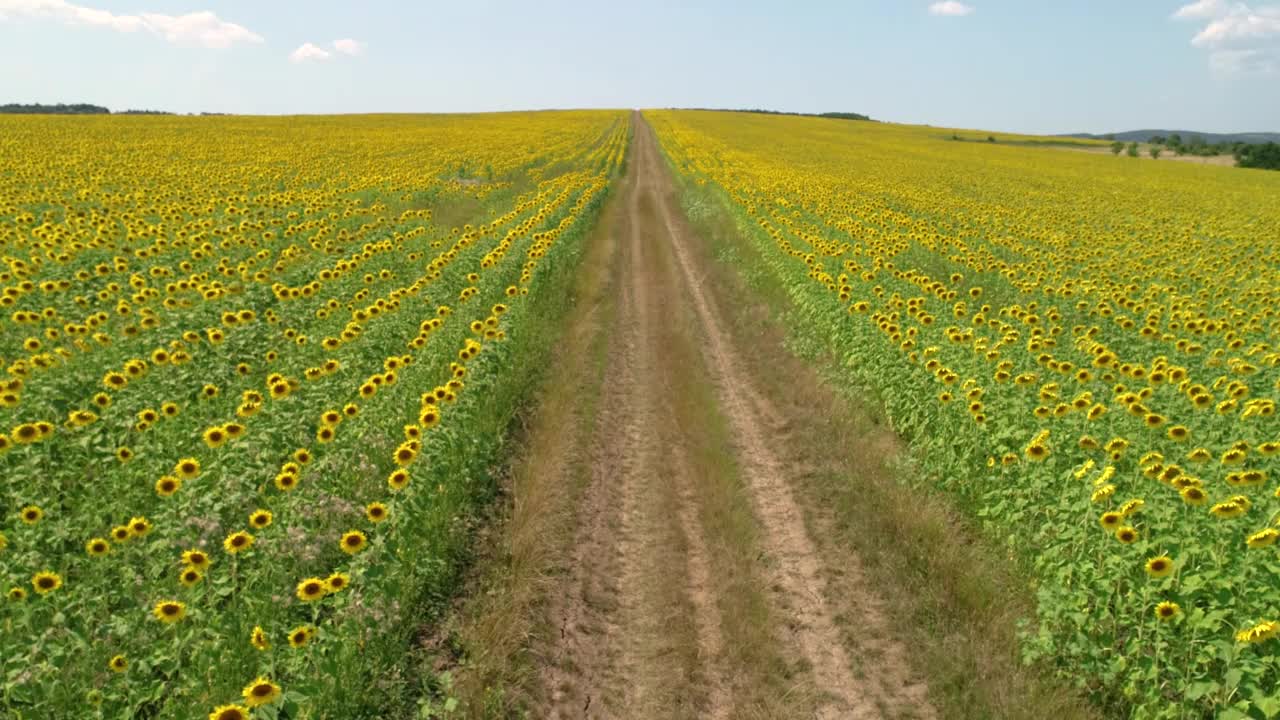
point(311, 589)
point(1159, 567)
point(121, 533)
point(398, 479)
point(237, 541)
point(429, 417)
point(1127, 535)
point(351, 410)
point(215, 437)
point(167, 485)
point(1261, 632)
point(260, 692)
point(170, 409)
point(1199, 455)
point(259, 519)
point(17, 594)
point(234, 431)
point(190, 577)
point(376, 512)
point(169, 611)
point(301, 635)
point(139, 526)
point(325, 434)
point(302, 456)
point(32, 514)
point(286, 481)
point(1227, 510)
point(118, 663)
point(352, 542)
point(187, 468)
point(197, 559)
point(1167, 611)
point(258, 638)
point(229, 712)
point(46, 581)
point(338, 581)
point(1263, 538)
point(1194, 495)
point(1178, 433)
point(97, 547)
point(405, 455)
point(330, 417)
point(1110, 521)
point(124, 454)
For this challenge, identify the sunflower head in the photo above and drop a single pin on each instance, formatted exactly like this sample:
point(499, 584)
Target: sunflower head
point(237, 541)
point(376, 512)
point(229, 712)
point(169, 611)
point(312, 589)
point(167, 485)
point(258, 638)
point(301, 635)
point(1167, 611)
point(46, 581)
point(97, 547)
point(352, 542)
point(1159, 567)
point(260, 692)
point(118, 663)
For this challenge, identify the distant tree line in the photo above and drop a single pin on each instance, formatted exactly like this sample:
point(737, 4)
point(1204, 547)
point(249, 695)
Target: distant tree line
point(59, 109)
point(1248, 155)
point(1196, 145)
point(78, 109)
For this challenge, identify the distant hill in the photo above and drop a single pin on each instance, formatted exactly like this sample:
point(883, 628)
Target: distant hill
point(1209, 138)
point(832, 115)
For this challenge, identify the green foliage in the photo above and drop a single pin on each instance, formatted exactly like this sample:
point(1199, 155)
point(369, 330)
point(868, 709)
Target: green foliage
point(1265, 157)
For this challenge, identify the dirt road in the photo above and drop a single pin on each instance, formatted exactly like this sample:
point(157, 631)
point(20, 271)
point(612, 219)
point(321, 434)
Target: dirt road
point(691, 585)
point(662, 555)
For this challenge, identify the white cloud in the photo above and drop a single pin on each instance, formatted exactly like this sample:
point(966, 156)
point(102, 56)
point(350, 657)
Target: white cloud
point(1201, 10)
point(1241, 26)
point(950, 8)
point(204, 28)
point(307, 52)
point(347, 46)
point(1240, 38)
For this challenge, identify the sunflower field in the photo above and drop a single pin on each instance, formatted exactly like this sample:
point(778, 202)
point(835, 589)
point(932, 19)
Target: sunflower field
point(1083, 350)
point(255, 371)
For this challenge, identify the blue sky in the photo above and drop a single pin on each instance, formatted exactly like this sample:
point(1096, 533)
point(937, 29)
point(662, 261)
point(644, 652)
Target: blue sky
point(1010, 65)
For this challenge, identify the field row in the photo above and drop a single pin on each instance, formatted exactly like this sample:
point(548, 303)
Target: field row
point(1084, 353)
point(252, 376)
